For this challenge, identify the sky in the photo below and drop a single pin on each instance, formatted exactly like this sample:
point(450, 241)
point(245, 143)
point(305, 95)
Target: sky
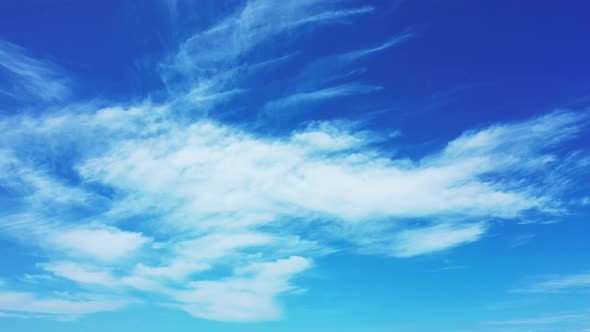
point(309, 165)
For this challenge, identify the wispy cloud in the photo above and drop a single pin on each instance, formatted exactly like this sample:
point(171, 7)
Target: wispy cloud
point(572, 282)
point(26, 303)
point(560, 321)
point(300, 99)
point(331, 15)
point(544, 320)
point(315, 82)
point(25, 77)
point(419, 241)
point(207, 55)
point(521, 240)
point(80, 273)
point(396, 40)
point(215, 64)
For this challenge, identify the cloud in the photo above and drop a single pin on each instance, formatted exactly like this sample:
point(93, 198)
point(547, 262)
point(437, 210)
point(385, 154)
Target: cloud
point(420, 241)
point(219, 219)
point(559, 283)
point(199, 254)
point(544, 320)
point(103, 243)
point(207, 55)
point(358, 54)
point(331, 137)
point(560, 321)
point(217, 185)
point(28, 78)
point(333, 15)
point(80, 273)
point(214, 195)
point(248, 177)
point(315, 81)
point(247, 296)
point(220, 63)
point(521, 240)
point(38, 187)
point(28, 303)
point(303, 98)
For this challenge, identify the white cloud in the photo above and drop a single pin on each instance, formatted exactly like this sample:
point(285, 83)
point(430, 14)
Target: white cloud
point(302, 98)
point(212, 58)
point(231, 174)
point(328, 136)
point(542, 320)
point(320, 80)
point(38, 187)
point(24, 302)
point(425, 240)
point(333, 15)
point(207, 189)
point(29, 78)
point(13, 315)
point(90, 241)
point(80, 273)
point(198, 254)
point(559, 283)
point(553, 128)
point(250, 295)
point(103, 243)
point(255, 23)
point(358, 54)
point(215, 197)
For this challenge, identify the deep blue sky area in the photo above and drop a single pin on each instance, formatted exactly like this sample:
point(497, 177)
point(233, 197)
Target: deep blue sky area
point(305, 165)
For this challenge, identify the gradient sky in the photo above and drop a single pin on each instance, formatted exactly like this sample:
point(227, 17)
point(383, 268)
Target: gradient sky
point(283, 166)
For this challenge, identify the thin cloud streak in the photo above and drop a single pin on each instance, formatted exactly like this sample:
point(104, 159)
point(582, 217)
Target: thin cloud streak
point(303, 98)
point(561, 283)
point(28, 78)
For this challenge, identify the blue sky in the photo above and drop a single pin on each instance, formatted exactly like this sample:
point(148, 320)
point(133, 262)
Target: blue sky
point(294, 166)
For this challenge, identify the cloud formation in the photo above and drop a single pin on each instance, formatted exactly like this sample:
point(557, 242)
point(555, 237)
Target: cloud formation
point(206, 194)
point(219, 219)
point(24, 77)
